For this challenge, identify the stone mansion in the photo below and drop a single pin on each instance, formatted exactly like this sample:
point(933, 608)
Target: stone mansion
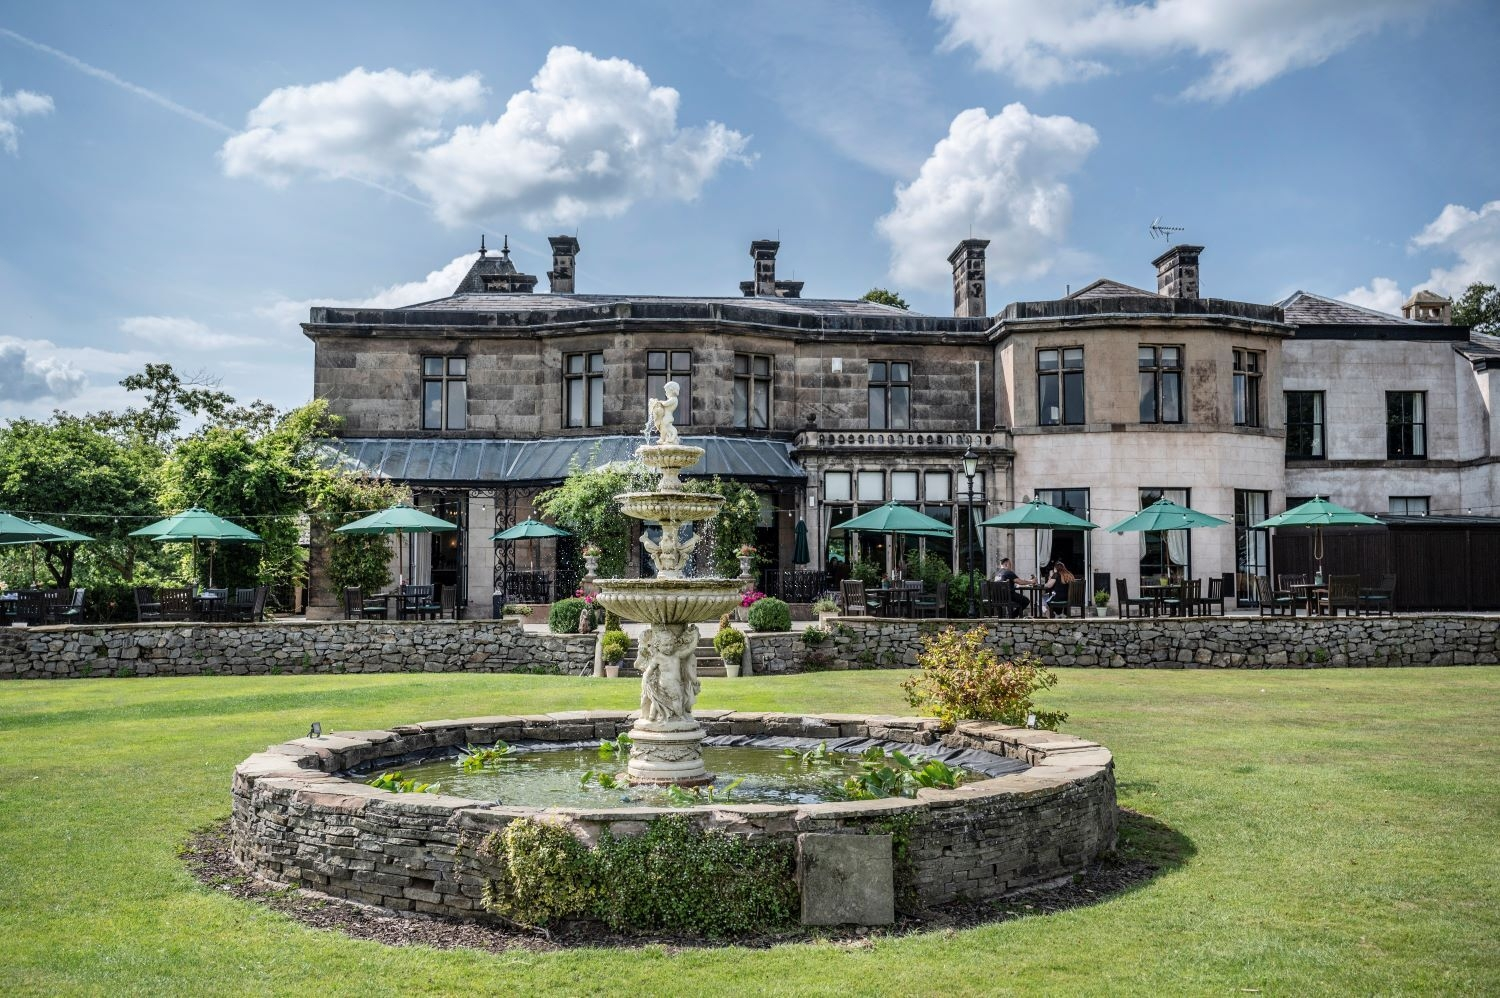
point(1099, 402)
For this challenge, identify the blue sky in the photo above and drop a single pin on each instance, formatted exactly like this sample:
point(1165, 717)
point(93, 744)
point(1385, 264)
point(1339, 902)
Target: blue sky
point(180, 181)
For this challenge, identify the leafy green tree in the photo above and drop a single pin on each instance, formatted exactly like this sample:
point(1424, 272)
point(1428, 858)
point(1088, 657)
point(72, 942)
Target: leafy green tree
point(168, 398)
point(362, 560)
point(1479, 308)
point(881, 296)
point(264, 477)
point(72, 473)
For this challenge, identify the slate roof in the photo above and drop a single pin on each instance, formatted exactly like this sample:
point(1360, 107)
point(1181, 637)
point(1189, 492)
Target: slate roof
point(1307, 309)
point(548, 459)
point(1482, 349)
point(1106, 288)
point(496, 303)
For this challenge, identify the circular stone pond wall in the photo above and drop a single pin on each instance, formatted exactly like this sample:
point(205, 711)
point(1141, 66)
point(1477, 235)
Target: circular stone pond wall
point(295, 821)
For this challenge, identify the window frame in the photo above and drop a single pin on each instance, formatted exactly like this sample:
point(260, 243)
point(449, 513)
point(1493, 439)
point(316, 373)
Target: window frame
point(587, 380)
point(1249, 374)
point(887, 387)
point(669, 370)
point(1160, 374)
point(447, 383)
point(1068, 381)
point(751, 380)
point(1416, 442)
point(1406, 503)
point(1316, 428)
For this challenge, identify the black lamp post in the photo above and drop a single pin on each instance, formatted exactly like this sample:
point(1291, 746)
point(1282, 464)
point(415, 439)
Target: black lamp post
point(971, 467)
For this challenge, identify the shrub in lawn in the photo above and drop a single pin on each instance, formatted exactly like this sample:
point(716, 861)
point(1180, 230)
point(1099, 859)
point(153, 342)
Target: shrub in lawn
point(963, 679)
point(563, 617)
point(730, 644)
point(613, 645)
point(770, 614)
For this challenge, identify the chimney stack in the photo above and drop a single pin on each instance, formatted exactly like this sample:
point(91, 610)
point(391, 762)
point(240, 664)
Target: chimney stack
point(1424, 306)
point(967, 260)
point(564, 264)
point(763, 252)
point(1177, 272)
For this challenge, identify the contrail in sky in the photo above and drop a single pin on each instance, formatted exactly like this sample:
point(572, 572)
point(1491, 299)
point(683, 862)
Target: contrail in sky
point(166, 102)
point(112, 79)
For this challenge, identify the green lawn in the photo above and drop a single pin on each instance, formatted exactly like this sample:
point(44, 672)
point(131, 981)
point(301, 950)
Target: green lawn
point(1341, 829)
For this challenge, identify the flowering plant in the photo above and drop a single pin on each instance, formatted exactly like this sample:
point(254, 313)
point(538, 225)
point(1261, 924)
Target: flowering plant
point(753, 596)
point(746, 550)
point(592, 551)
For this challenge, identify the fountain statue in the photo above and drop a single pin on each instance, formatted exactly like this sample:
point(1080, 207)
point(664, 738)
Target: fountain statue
point(666, 740)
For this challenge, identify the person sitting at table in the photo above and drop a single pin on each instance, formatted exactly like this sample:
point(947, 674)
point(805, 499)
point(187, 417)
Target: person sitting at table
point(1056, 588)
point(1018, 599)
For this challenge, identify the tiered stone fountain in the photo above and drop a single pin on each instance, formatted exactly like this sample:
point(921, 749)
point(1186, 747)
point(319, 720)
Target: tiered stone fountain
point(666, 738)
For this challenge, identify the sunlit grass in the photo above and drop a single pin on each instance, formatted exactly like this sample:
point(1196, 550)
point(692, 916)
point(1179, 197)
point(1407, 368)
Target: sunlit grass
point(1342, 831)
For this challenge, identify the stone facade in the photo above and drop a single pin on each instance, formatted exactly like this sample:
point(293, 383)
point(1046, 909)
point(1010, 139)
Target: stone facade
point(296, 822)
point(292, 647)
point(1110, 642)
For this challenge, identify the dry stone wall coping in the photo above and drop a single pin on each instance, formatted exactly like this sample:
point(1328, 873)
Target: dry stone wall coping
point(296, 821)
point(1160, 643)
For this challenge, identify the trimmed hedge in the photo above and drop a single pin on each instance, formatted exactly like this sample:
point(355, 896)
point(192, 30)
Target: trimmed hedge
point(770, 614)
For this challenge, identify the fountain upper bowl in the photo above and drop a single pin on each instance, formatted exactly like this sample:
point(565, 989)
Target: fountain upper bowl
point(669, 601)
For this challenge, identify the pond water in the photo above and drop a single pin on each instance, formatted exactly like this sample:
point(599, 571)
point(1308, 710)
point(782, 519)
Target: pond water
point(535, 775)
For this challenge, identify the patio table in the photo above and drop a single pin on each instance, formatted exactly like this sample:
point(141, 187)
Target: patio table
point(1311, 594)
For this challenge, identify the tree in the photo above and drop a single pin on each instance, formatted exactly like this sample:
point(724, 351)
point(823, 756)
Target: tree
point(881, 296)
point(1479, 308)
point(168, 398)
point(105, 486)
point(362, 560)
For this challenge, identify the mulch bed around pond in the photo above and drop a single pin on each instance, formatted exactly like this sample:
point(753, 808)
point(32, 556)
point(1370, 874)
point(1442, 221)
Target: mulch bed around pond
point(207, 856)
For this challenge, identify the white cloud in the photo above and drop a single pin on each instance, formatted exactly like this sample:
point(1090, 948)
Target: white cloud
point(1247, 44)
point(440, 283)
point(1471, 236)
point(19, 104)
point(363, 124)
point(998, 178)
point(180, 333)
point(1382, 294)
point(27, 376)
point(591, 137)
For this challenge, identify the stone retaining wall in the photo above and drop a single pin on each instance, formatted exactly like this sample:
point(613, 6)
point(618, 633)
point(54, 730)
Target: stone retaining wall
point(1194, 642)
point(287, 647)
point(295, 822)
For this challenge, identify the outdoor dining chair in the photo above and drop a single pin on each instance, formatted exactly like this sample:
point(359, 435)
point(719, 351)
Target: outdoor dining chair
point(1214, 601)
point(1343, 594)
point(70, 612)
point(31, 607)
point(176, 603)
point(856, 603)
point(1378, 600)
point(1144, 605)
point(1273, 603)
point(934, 604)
point(147, 606)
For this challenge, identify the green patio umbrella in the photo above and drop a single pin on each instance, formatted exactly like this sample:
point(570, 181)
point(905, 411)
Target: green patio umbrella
point(58, 535)
point(14, 530)
point(894, 518)
point(1038, 515)
point(800, 554)
point(1164, 514)
point(531, 529)
point(1318, 513)
point(398, 519)
point(195, 524)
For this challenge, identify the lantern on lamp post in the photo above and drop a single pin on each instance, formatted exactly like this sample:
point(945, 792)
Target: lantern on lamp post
point(971, 467)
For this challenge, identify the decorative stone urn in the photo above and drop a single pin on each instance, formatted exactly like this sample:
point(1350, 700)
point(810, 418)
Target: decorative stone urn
point(666, 740)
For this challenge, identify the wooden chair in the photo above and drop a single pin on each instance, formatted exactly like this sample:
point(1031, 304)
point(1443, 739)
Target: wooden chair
point(1343, 594)
point(31, 607)
point(1273, 603)
point(1176, 601)
point(1142, 604)
point(176, 603)
point(356, 607)
point(448, 605)
point(147, 606)
point(898, 602)
point(1077, 599)
point(1381, 599)
point(1214, 601)
point(933, 604)
point(70, 612)
point(856, 604)
point(1284, 583)
point(418, 603)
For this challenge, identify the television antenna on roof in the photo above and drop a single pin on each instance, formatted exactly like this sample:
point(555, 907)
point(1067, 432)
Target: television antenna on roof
point(1160, 231)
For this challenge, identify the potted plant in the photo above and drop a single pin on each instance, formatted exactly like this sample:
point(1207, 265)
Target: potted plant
point(1101, 602)
point(746, 554)
point(731, 645)
point(612, 648)
point(591, 556)
point(825, 608)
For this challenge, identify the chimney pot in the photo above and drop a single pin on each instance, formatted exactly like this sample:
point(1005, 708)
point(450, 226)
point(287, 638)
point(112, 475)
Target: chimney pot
point(967, 260)
point(564, 264)
point(1177, 272)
